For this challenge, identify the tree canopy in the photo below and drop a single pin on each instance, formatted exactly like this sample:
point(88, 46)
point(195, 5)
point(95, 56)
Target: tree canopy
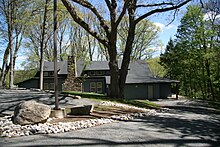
point(193, 58)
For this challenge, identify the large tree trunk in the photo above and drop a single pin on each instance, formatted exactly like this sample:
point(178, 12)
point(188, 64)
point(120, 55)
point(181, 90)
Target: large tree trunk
point(42, 45)
point(4, 84)
point(113, 65)
point(18, 39)
point(10, 38)
point(4, 67)
point(114, 83)
point(127, 52)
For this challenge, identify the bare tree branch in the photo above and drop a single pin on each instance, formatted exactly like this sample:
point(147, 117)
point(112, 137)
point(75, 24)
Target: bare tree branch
point(161, 10)
point(88, 5)
point(174, 17)
point(154, 5)
point(201, 2)
point(82, 23)
point(108, 3)
point(122, 12)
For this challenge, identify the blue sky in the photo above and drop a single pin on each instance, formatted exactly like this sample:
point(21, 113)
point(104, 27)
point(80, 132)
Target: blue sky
point(168, 25)
point(167, 30)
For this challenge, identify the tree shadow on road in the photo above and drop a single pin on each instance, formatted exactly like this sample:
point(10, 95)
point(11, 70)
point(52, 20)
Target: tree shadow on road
point(205, 126)
point(9, 102)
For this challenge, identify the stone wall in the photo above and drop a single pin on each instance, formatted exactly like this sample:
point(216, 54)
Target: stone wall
point(72, 83)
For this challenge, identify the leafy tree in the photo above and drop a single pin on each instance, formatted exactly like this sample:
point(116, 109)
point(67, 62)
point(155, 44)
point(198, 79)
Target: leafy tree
point(22, 75)
point(195, 49)
point(13, 24)
point(155, 67)
point(146, 38)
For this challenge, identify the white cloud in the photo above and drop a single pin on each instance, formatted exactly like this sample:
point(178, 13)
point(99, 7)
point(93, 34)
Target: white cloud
point(164, 27)
point(160, 25)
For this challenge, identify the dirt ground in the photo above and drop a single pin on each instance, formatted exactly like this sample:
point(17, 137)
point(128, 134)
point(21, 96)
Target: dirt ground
point(99, 112)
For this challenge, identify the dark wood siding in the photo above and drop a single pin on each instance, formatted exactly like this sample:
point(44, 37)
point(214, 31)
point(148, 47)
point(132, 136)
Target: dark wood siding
point(31, 83)
point(140, 91)
point(135, 91)
point(34, 83)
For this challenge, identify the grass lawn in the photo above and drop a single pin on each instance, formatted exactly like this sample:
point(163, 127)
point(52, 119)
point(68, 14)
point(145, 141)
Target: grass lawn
point(101, 97)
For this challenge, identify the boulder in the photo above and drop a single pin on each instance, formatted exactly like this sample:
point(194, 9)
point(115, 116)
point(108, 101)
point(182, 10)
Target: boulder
point(31, 112)
point(80, 110)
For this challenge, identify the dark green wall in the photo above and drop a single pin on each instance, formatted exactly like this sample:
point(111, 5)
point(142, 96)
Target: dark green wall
point(31, 83)
point(135, 91)
point(140, 91)
point(34, 83)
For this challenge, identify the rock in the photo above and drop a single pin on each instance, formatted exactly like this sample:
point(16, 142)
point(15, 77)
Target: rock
point(80, 110)
point(31, 112)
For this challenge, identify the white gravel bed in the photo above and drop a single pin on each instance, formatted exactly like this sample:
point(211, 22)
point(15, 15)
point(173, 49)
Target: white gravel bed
point(104, 103)
point(8, 129)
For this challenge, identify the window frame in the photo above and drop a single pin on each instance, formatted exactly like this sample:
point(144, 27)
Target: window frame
point(46, 86)
point(46, 74)
point(99, 87)
point(92, 86)
point(99, 73)
point(92, 73)
point(51, 86)
point(51, 73)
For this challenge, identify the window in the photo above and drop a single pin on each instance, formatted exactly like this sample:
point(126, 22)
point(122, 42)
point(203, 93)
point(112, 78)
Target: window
point(92, 87)
point(99, 87)
point(51, 73)
point(46, 74)
point(46, 86)
point(99, 73)
point(51, 86)
point(92, 73)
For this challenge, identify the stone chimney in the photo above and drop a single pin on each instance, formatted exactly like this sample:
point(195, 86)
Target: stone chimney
point(71, 64)
point(72, 83)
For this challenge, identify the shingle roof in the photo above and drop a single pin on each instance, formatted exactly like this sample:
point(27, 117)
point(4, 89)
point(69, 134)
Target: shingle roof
point(138, 71)
point(61, 67)
point(99, 65)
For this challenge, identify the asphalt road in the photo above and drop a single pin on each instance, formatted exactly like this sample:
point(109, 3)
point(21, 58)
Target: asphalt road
point(187, 124)
point(10, 98)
